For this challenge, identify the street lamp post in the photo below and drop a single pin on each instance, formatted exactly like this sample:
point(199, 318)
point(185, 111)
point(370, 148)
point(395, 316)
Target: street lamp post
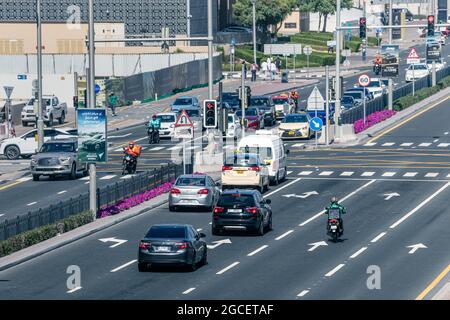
point(254, 30)
point(40, 115)
point(210, 50)
point(337, 105)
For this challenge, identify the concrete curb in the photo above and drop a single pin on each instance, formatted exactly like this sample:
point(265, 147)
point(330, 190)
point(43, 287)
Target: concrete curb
point(28, 253)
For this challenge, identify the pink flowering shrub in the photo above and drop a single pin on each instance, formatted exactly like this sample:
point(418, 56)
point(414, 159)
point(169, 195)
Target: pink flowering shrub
point(134, 200)
point(372, 119)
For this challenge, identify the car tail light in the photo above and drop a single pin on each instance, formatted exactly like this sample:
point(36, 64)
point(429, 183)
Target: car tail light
point(175, 191)
point(217, 210)
point(181, 245)
point(203, 191)
point(144, 245)
point(254, 168)
point(225, 168)
point(252, 210)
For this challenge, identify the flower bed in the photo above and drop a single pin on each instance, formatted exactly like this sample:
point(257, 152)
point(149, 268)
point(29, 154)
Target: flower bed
point(372, 119)
point(134, 201)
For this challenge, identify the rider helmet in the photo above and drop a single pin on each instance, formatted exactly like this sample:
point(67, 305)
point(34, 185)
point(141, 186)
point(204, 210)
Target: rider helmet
point(334, 199)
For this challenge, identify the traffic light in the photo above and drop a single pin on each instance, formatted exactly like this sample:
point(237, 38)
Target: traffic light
point(430, 20)
point(75, 102)
point(362, 28)
point(210, 115)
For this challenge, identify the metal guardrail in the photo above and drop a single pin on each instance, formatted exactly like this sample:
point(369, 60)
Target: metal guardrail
point(107, 195)
point(352, 115)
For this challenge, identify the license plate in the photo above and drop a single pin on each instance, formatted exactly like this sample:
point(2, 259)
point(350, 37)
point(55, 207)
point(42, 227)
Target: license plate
point(291, 133)
point(162, 249)
point(234, 210)
point(333, 227)
point(240, 172)
point(187, 201)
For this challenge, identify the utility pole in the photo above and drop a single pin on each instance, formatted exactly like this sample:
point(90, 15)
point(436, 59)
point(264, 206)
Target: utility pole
point(254, 30)
point(91, 98)
point(243, 100)
point(210, 50)
point(188, 26)
point(390, 21)
point(40, 115)
point(337, 108)
point(390, 82)
point(327, 105)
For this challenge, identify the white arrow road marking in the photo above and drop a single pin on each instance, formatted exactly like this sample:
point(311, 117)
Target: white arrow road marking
point(117, 241)
point(303, 196)
point(219, 243)
point(315, 245)
point(389, 196)
point(416, 247)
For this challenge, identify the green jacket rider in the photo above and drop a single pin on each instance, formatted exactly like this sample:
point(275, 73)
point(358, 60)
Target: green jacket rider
point(155, 122)
point(334, 204)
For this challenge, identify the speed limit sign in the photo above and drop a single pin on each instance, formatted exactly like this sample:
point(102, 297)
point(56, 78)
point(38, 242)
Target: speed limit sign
point(364, 80)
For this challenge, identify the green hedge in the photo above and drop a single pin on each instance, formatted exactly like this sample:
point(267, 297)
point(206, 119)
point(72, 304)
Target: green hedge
point(32, 237)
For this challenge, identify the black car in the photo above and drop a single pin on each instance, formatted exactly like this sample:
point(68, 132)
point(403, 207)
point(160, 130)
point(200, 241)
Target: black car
point(231, 99)
point(172, 244)
point(242, 210)
point(264, 104)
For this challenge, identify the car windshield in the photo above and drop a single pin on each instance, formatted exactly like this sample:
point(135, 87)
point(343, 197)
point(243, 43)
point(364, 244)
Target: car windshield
point(167, 232)
point(191, 182)
point(183, 101)
point(193, 113)
point(373, 84)
point(259, 101)
point(279, 100)
point(347, 99)
point(242, 161)
point(295, 118)
point(354, 94)
point(230, 96)
point(230, 119)
point(46, 101)
point(166, 118)
point(58, 147)
point(265, 153)
point(418, 67)
point(236, 199)
point(248, 112)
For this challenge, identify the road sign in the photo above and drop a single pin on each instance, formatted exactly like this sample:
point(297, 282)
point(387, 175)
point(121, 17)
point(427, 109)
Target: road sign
point(346, 53)
point(364, 80)
point(184, 127)
point(282, 49)
point(21, 77)
point(8, 91)
point(97, 88)
point(413, 57)
point(184, 120)
point(307, 50)
point(346, 63)
point(316, 124)
point(316, 100)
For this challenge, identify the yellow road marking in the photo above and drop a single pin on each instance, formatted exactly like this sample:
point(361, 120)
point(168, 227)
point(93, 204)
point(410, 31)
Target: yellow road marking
point(11, 185)
point(407, 120)
point(434, 283)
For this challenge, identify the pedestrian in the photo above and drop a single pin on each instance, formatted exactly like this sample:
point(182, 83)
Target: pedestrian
point(254, 71)
point(273, 71)
point(278, 64)
point(264, 67)
point(245, 69)
point(113, 103)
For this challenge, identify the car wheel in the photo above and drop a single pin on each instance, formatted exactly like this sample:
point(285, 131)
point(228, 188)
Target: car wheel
point(12, 153)
point(215, 231)
point(86, 171)
point(142, 267)
point(193, 265)
point(24, 124)
point(260, 230)
point(62, 119)
point(35, 177)
point(73, 172)
point(204, 260)
point(172, 208)
point(50, 121)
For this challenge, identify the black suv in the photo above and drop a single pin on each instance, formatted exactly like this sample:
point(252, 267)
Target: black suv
point(242, 210)
point(265, 105)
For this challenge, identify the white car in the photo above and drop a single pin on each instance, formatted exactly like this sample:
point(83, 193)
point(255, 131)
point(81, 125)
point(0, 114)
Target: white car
point(25, 146)
point(234, 127)
point(440, 64)
point(167, 120)
point(54, 110)
point(416, 71)
point(376, 87)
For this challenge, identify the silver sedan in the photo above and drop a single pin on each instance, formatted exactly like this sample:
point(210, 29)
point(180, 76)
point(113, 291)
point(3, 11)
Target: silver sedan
point(194, 190)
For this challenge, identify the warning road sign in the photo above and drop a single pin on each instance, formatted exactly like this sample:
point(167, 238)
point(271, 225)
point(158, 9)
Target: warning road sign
point(184, 120)
point(413, 57)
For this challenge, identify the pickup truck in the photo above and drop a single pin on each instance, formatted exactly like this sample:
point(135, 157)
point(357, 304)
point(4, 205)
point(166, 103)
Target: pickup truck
point(54, 110)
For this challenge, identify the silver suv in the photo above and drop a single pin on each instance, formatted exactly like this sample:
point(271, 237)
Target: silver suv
point(58, 158)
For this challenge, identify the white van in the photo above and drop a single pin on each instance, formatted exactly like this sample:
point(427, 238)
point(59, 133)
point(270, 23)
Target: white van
point(270, 148)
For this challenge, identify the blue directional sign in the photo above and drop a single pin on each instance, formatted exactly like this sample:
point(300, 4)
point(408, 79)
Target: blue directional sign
point(316, 124)
point(97, 88)
point(21, 77)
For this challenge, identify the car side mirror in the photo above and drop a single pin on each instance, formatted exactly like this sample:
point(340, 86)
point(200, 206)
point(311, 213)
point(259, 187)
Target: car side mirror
point(268, 201)
point(288, 151)
point(202, 235)
point(218, 184)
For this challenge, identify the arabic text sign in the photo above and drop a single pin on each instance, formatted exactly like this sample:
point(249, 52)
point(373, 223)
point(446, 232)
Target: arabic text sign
point(92, 138)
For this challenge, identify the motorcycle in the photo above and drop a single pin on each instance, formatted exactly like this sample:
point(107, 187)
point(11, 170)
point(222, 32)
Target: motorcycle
point(334, 229)
point(377, 69)
point(129, 164)
point(153, 136)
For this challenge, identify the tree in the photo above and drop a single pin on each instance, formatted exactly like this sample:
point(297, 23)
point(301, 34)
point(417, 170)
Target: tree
point(268, 13)
point(323, 7)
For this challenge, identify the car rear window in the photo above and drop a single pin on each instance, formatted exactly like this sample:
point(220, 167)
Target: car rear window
point(280, 100)
point(236, 199)
point(242, 161)
point(167, 232)
point(264, 153)
point(191, 182)
point(166, 118)
point(58, 147)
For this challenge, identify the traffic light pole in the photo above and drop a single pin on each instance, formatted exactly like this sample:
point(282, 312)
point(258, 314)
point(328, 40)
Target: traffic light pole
point(337, 105)
point(243, 99)
point(40, 115)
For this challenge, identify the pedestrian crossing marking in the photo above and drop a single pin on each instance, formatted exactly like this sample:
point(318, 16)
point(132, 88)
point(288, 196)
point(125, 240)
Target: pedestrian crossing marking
point(443, 145)
point(85, 178)
point(370, 144)
point(298, 145)
point(367, 174)
point(388, 144)
point(305, 173)
point(389, 174)
point(326, 173)
point(431, 175)
point(288, 172)
point(410, 174)
point(157, 149)
point(425, 144)
point(406, 144)
point(347, 173)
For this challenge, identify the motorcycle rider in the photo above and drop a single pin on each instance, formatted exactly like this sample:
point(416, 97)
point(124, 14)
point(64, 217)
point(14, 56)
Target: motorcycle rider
point(154, 124)
point(334, 204)
point(134, 151)
point(294, 96)
point(377, 62)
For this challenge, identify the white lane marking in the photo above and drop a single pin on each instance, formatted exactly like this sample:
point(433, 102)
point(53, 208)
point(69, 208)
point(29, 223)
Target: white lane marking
point(61, 192)
point(32, 203)
point(406, 216)
point(378, 237)
point(228, 268)
point(108, 177)
point(329, 274)
point(122, 136)
point(1, 214)
point(175, 148)
point(128, 176)
point(284, 235)
point(123, 266)
point(357, 253)
point(257, 250)
point(288, 172)
point(446, 133)
point(410, 174)
point(389, 174)
point(85, 178)
point(343, 199)
point(188, 290)
point(347, 173)
point(305, 173)
point(443, 145)
point(118, 149)
point(367, 174)
point(426, 144)
point(157, 149)
point(285, 186)
point(326, 173)
point(86, 182)
point(303, 293)
point(406, 144)
point(431, 175)
point(370, 144)
point(25, 179)
point(199, 229)
point(434, 141)
point(74, 289)
point(298, 145)
point(448, 176)
point(388, 144)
